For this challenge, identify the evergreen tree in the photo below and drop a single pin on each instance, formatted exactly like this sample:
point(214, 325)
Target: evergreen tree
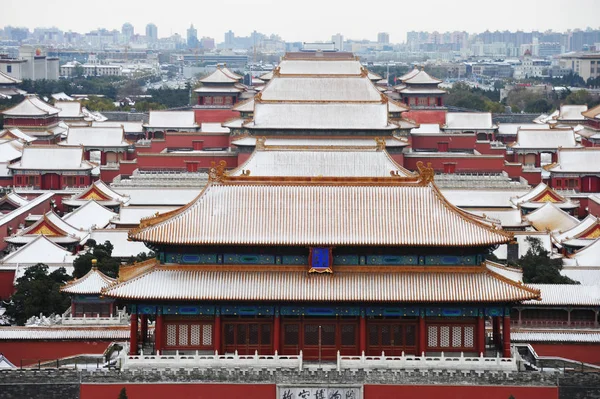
point(38, 291)
point(102, 253)
point(123, 393)
point(539, 268)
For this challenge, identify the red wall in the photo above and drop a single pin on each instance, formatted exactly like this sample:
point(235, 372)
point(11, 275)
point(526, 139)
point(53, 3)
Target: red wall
point(169, 161)
point(32, 351)
point(588, 353)
point(215, 115)
point(179, 391)
point(6, 283)
point(458, 392)
point(426, 116)
point(455, 142)
point(476, 163)
point(594, 208)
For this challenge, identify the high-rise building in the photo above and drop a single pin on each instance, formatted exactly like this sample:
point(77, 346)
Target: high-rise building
point(338, 40)
point(229, 38)
point(192, 36)
point(383, 38)
point(207, 43)
point(151, 33)
point(127, 30)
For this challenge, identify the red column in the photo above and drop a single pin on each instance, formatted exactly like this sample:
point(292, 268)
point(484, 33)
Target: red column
point(362, 333)
point(144, 327)
point(506, 336)
point(480, 334)
point(422, 334)
point(133, 334)
point(276, 331)
point(496, 330)
point(102, 158)
point(158, 333)
point(217, 332)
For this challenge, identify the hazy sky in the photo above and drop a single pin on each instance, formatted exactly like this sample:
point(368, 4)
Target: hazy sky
point(304, 20)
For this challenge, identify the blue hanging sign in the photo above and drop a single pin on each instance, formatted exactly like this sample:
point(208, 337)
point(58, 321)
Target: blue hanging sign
point(320, 260)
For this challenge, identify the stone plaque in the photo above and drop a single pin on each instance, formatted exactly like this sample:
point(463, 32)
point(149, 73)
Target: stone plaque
point(318, 392)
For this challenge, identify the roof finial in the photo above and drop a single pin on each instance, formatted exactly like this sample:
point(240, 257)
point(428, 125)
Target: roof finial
point(426, 173)
point(94, 264)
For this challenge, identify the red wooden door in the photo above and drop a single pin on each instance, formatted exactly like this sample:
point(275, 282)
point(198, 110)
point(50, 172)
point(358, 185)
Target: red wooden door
point(50, 181)
point(248, 337)
point(391, 337)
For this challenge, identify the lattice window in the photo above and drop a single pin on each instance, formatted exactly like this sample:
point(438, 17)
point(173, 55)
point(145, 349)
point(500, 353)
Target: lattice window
point(457, 336)
point(171, 334)
point(183, 335)
point(432, 336)
point(230, 334)
point(328, 334)
point(195, 334)
point(445, 336)
point(373, 335)
point(348, 335)
point(311, 334)
point(410, 336)
point(265, 334)
point(469, 337)
point(290, 334)
point(253, 334)
point(207, 332)
point(386, 338)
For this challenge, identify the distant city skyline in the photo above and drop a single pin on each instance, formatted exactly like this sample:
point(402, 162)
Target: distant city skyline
point(311, 21)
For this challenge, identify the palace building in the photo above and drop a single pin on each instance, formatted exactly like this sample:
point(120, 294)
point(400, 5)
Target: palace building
point(344, 262)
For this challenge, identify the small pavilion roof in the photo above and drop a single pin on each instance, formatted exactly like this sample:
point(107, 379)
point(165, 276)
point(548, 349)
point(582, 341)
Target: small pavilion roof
point(53, 227)
point(221, 76)
point(321, 161)
point(69, 109)
point(332, 211)
point(97, 137)
point(8, 80)
point(31, 106)
point(409, 74)
point(572, 112)
point(588, 256)
point(49, 157)
point(420, 78)
point(62, 96)
point(293, 283)
point(14, 199)
point(5, 363)
point(550, 217)
point(16, 133)
point(581, 160)
point(582, 234)
point(545, 139)
point(90, 215)
point(542, 194)
point(469, 120)
point(39, 250)
point(92, 283)
point(593, 113)
point(230, 73)
point(99, 192)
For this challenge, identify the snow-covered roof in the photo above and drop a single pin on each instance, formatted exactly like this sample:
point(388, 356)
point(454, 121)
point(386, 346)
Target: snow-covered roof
point(172, 119)
point(584, 275)
point(162, 197)
point(209, 127)
point(507, 218)
point(551, 218)
point(8, 80)
point(510, 129)
point(521, 238)
point(31, 106)
point(469, 120)
point(122, 246)
point(15, 199)
point(131, 215)
point(62, 96)
point(100, 137)
point(17, 134)
point(481, 198)
point(128, 127)
point(220, 76)
point(421, 77)
point(10, 150)
point(90, 215)
point(577, 160)
point(49, 157)
point(320, 67)
point(40, 250)
point(322, 88)
point(25, 208)
point(52, 226)
point(321, 116)
point(69, 109)
point(588, 256)
point(4, 362)
point(545, 138)
point(99, 192)
point(93, 282)
point(572, 112)
point(585, 224)
point(555, 336)
point(291, 161)
point(409, 74)
point(320, 141)
point(566, 294)
point(426, 128)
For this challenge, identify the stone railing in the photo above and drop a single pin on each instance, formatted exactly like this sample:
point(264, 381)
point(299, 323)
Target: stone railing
point(118, 319)
point(232, 360)
point(441, 362)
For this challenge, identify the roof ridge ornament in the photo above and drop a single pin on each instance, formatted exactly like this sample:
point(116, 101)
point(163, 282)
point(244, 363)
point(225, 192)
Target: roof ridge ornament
point(364, 72)
point(380, 143)
point(260, 143)
point(277, 72)
point(217, 173)
point(426, 173)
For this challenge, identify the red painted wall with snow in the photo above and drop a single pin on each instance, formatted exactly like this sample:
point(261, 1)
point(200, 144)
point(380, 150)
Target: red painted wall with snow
point(30, 352)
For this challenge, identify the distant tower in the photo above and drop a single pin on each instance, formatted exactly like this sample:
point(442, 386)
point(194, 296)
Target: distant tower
point(383, 38)
point(229, 38)
point(192, 36)
point(338, 40)
point(151, 33)
point(127, 32)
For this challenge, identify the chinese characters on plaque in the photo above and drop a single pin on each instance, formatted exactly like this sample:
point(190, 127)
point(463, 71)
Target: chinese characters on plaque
point(320, 260)
point(318, 393)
